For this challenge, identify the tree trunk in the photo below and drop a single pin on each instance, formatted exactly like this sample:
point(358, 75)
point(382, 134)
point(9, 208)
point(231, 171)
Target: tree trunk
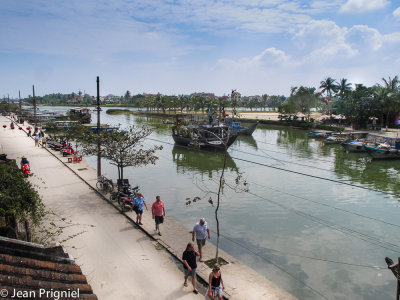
point(387, 121)
point(122, 172)
point(11, 224)
point(27, 231)
point(221, 183)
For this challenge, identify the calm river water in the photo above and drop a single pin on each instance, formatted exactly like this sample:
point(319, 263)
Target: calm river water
point(321, 236)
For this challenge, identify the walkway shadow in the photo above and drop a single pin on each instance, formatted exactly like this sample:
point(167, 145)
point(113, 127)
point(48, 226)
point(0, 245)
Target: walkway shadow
point(177, 294)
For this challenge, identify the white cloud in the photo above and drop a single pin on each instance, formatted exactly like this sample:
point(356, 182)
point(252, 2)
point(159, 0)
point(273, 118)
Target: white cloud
point(396, 13)
point(360, 6)
point(364, 38)
point(323, 39)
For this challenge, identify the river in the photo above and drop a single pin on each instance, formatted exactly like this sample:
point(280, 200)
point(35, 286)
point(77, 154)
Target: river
point(315, 220)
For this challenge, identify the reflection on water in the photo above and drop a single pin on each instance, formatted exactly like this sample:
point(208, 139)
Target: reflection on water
point(248, 141)
point(359, 167)
point(203, 162)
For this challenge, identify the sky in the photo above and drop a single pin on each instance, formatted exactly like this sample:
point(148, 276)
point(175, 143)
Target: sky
point(178, 47)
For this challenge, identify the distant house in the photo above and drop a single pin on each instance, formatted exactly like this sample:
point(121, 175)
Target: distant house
point(203, 95)
point(110, 99)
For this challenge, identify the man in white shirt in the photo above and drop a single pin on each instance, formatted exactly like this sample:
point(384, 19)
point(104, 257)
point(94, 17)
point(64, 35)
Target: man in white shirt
point(200, 231)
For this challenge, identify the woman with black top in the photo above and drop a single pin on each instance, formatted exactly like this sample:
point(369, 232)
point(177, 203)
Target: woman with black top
point(214, 283)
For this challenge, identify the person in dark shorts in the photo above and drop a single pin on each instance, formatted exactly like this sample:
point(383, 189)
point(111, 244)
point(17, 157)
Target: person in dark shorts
point(190, 265)
point(158, 212)
point(138, 203)
point(200, 232)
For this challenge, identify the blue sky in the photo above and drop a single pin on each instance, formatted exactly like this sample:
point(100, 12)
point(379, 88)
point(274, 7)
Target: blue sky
point(185, 46)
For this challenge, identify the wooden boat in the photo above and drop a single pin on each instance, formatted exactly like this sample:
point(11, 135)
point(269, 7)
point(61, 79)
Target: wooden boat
point(236, 127)
point(318, 134)
point(203, 136)
point(383, 151)
point(334, 139)
point(354, 146)
point(80, 114)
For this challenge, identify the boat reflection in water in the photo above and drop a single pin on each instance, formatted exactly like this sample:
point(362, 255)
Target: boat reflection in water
point(200, 161)
point(248, 141)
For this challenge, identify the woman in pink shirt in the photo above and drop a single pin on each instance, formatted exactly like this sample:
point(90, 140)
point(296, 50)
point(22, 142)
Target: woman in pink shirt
point(158, 212)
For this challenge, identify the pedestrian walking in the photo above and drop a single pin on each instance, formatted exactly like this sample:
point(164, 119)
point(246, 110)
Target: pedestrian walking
point(215, 283)
point(138, 203)
point(190, 265)
point(158, 212)
point(44, 141)
point(29, 133)
point(36, 140)
point(200, 232)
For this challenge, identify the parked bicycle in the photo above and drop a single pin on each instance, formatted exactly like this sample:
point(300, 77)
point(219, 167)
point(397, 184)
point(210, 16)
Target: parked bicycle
point(105, 184)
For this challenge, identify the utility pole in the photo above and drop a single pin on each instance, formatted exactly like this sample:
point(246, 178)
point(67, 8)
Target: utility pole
point(20, 104)
point(398, 280)
point(395, 268)
point(98, 128)
point(34, 106)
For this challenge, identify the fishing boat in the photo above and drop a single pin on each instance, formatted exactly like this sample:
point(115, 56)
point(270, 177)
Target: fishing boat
point(317, 134)
point(335, 139)
point(383, 151)
point(354, 146)
point(203, 136)
point(80, 114)
point(236, 127)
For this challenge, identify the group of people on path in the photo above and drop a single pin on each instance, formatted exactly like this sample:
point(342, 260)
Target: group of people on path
point(189, 257)
point(157, 210)
point(200, 233)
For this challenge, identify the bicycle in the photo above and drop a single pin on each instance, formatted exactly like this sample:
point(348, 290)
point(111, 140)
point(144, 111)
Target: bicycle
point(105, 184)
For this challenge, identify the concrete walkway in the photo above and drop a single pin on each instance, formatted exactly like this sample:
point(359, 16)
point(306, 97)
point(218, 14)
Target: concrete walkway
point(117, 244)
point(119, 261)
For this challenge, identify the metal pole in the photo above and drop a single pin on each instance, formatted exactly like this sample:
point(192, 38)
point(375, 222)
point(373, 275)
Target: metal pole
point(398, 280)
point(20, 104)
point(34, 105)
point(98, 128)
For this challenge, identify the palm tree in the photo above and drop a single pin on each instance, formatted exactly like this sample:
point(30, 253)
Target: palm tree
point(390, 97)
point(328, 86)
point(392, 84)
point(344, 87)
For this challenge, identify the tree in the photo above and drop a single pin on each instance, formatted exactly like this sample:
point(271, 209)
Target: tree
point(303, 99)
point(123, 148)
point(239, 185)
point(390, 98)
point(19, 202)
point(344, 87)
point(328, 86)
point(127, 95)
point(357, 106)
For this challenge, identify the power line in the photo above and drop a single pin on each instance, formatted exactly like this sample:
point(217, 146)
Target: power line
point(283, 270)
point(342, 229)
point(330, 206)
point(362, 236)
point(300, 173)
point(304, 256)
point(317, 177)
point(290, 171)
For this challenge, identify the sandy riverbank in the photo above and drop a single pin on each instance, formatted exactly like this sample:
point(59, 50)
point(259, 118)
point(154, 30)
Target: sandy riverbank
point(115, 253)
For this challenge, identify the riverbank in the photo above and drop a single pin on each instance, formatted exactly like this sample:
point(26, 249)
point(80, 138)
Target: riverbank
point(75, 197)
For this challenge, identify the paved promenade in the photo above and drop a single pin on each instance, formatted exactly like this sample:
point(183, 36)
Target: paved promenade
point(121, 261)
